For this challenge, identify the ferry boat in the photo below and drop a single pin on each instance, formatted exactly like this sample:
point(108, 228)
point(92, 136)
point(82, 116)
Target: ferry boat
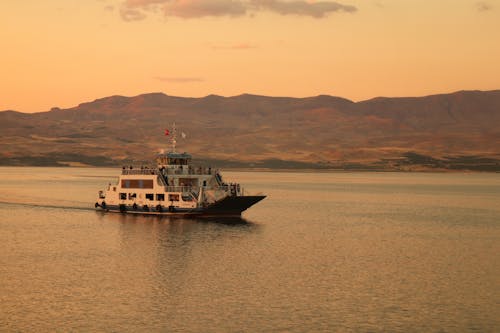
point(174, 187)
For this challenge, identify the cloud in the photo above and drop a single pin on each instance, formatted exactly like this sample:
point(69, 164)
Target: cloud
point(137, 9)
point(143, 3)
point(131, 14)
point(201, 8)
point(483, 6)
point(314, 9)
point(178, 79)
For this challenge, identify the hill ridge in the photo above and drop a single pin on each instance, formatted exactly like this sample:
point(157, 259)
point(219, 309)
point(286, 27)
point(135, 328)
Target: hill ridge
point(323, 130)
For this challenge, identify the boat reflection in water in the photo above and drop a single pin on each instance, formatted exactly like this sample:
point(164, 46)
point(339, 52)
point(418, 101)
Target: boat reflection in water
point(179, 219)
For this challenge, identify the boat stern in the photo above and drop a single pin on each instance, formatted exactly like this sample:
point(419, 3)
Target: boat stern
point(101, 200)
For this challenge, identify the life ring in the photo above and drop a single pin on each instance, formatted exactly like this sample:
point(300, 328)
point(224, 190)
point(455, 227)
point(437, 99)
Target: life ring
point(134, 206)
point(103, 205)
point(158, 208)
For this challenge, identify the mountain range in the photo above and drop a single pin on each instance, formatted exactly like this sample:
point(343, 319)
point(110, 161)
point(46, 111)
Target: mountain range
point(447, 131)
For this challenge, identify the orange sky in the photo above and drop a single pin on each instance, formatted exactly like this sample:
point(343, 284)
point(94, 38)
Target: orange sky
point(64, 52)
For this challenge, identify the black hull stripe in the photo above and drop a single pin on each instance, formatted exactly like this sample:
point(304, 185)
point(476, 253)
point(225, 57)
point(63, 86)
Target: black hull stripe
point(229, 206)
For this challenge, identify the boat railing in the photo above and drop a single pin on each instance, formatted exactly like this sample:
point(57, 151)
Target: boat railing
point(233, 188)
point(139, 172)
point(190, 171)
point(182, 189)
point(170, 171)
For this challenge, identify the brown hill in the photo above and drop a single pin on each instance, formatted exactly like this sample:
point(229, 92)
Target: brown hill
point(458, 130)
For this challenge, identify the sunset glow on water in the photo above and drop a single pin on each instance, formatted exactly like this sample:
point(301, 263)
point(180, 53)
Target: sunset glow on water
point(323, 252)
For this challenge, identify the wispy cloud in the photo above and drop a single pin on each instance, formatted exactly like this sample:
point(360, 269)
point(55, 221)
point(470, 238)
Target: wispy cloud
point(201, 8)
point(303, 8)
point(132, 14)
point(137, 9)
point(178, 79)
point(483, 6)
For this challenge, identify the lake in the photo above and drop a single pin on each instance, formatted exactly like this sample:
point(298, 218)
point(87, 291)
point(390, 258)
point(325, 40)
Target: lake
point(324, 252)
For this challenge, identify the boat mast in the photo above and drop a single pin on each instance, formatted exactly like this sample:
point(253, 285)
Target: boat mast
point(174, 137)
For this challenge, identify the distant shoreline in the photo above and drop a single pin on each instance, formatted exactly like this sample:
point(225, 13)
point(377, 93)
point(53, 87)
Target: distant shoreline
point(281, 170)
point(408, 162)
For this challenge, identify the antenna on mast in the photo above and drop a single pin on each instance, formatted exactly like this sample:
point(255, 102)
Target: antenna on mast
point(174, 137)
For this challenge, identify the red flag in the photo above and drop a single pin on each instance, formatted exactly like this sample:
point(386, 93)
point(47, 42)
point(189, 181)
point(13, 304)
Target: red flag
point(167, 132)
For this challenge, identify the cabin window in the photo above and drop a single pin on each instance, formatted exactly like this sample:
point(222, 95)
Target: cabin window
point(160, 197)
point(173, 197)
point(137, 183)
point(132, 196)
point(187, 198)
point(123, 196)
point(150, 196)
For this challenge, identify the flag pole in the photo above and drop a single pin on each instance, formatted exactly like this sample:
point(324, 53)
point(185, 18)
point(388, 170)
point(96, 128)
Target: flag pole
point(174, 137)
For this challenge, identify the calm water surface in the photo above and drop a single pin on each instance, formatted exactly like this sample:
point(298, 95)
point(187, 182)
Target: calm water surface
point(325, 252)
